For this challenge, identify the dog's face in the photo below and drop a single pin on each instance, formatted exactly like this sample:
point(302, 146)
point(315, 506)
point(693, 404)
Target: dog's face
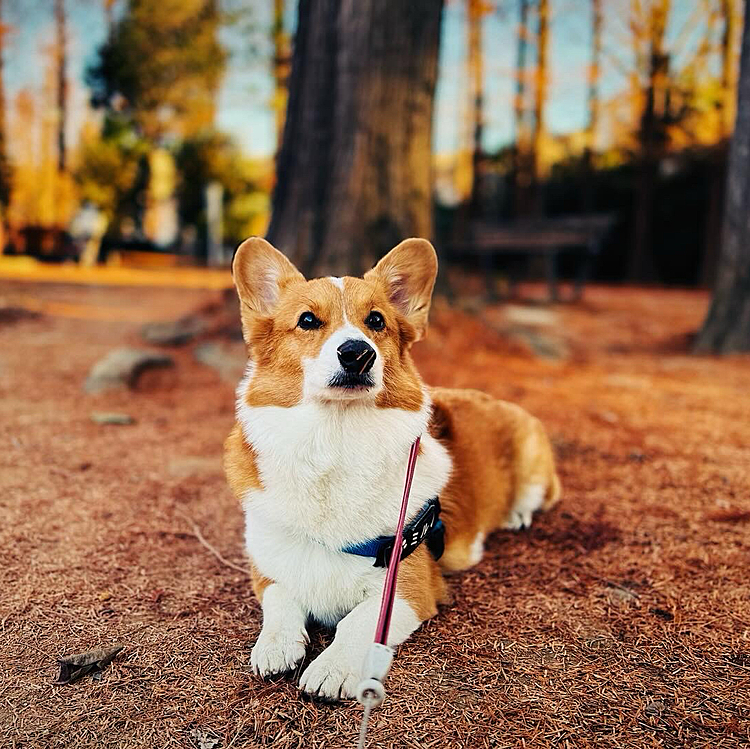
point(334, 339)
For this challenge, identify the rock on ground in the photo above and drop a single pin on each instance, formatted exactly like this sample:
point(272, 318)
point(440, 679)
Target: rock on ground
point(174, 333)
point(228, 359)
point(122, 368)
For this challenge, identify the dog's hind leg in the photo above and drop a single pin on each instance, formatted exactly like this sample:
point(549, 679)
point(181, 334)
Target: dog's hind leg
point(538, 485)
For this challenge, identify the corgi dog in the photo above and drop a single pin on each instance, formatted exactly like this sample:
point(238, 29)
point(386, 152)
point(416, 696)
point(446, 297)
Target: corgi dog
point(327, 411)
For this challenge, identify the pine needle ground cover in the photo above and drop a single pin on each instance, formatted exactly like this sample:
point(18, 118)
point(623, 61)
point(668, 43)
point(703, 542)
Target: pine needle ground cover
point(620, 619)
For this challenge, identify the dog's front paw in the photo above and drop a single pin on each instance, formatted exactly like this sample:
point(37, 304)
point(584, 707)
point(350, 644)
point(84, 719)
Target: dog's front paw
point(277, 652)
point(333, 675)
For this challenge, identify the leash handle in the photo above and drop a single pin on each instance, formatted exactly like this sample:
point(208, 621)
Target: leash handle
point(389, 587)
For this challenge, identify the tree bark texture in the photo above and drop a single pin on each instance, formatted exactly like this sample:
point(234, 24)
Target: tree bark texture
point(652, 135)
point(717, 167)
point(522, 168)
point(354, 169)
point(540, 100)
point(61, 56)
point(475, 12)
point(593, 105)
point(4, 188)
point(727, 326)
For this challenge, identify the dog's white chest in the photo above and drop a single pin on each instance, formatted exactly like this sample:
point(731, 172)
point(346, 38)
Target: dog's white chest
point(332, 477)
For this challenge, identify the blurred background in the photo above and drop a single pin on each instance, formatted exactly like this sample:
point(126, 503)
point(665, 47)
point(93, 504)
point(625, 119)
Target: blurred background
point(529, 138)
point(583, 169)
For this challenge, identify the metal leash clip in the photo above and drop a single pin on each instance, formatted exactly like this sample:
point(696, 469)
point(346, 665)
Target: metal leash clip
point(370, 691)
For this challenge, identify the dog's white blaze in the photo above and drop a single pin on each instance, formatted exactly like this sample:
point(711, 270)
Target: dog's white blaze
point(336, 281)
point(332, 475)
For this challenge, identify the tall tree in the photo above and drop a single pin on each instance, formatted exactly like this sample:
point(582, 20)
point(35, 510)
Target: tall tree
point(281, 61)
point(594, 75)
point(727, 326)
point(5, 175)
point(61, 60)
point(161, 66)
point(730, 16)
point(593, 103)
point(475, 11)
point(354, 169)
point(649, 31)
point(522, 176)
point(540, 99)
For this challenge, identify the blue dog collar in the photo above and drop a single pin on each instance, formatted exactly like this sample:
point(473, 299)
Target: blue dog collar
point(426, 526)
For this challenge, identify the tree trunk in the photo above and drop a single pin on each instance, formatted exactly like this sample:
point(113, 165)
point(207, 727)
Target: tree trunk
point(521, 171)
point(717, 167)
point(354, 169)
point(476, 87)
point(651, 135)
point(4, 176)
point(727, 326)
point(280, 40)
point(62, 82)
point(593, 105)
point(540, 99)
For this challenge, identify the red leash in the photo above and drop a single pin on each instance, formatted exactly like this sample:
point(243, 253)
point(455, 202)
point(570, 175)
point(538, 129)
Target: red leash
point(389, 587)
point(370, 691)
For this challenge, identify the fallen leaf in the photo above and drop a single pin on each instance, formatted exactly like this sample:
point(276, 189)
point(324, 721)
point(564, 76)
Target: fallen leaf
point(73, 667)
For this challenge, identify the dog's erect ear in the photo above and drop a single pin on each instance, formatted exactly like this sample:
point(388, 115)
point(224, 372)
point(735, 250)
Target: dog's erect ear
point(260, 272)
point(409, 272)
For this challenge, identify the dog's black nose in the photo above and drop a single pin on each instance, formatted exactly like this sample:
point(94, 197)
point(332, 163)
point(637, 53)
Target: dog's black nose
point(356, 356)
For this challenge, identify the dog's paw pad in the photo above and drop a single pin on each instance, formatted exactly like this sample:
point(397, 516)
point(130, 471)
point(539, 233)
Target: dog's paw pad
point(278, 652)
point(331, 677)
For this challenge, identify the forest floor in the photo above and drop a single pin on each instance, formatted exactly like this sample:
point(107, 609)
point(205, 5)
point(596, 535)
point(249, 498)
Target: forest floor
point(620, 619)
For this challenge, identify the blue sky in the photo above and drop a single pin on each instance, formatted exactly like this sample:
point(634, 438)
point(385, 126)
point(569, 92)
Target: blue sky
point(243, 101)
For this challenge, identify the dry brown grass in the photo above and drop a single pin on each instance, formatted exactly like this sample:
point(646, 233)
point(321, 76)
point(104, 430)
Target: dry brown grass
point(622, 619)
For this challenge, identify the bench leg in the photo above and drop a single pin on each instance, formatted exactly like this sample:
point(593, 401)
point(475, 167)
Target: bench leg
point(489, 277)
point(551, 263)
point(584, 271)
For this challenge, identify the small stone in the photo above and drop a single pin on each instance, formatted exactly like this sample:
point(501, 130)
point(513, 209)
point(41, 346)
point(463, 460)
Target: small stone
point(530, 316)
point(10, 315)
point(621, 594)
point(229, 360)
point(542, 343)
point(103, 417)
point(122, 368)
point(175, 333)
point(655, 707)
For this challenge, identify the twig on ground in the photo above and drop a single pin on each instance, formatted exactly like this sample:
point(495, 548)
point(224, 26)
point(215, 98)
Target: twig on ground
point(197, 533)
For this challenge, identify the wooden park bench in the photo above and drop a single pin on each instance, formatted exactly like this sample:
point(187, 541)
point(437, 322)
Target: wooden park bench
point(546, 238)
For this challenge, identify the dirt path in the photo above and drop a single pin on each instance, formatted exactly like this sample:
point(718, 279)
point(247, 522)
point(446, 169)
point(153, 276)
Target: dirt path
point(621, 619)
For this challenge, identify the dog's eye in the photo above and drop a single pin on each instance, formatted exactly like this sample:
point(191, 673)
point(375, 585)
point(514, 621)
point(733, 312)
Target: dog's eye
point(375, 321)
point(308, 321)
